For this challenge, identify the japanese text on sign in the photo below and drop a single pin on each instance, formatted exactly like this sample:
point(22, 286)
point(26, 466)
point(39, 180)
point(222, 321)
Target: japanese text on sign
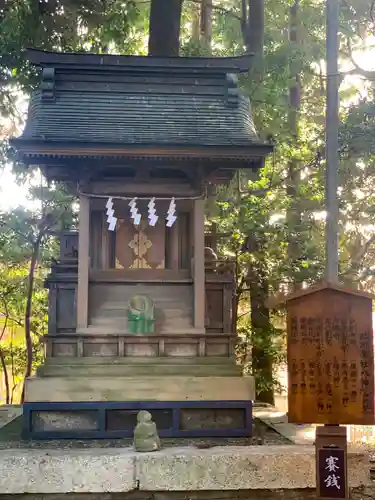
point(332, 480)
point(331, 365)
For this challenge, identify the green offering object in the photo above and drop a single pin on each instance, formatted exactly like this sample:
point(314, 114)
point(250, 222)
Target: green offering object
point(141, 315)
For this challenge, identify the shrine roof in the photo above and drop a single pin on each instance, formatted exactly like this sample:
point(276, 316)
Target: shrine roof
point(140, 101)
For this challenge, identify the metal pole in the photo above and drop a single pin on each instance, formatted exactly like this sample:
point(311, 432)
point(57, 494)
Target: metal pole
point(332, 140)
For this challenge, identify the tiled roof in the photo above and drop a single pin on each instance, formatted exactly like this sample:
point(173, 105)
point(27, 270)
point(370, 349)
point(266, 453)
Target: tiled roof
point(130, 118)
point(139, 101)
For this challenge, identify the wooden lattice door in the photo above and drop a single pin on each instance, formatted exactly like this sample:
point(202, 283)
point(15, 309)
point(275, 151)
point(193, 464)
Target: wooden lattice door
point(140, 247)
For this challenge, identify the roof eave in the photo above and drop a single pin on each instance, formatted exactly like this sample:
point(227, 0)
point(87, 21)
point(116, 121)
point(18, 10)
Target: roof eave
point(238, 64)
point(38, 147)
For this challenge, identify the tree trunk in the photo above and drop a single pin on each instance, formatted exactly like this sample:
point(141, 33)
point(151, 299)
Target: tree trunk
point(195, 23)
point(206, 24)
point(6, 377)
point(253, 36)
point(165, 20)
point(252, 26)
point(294, 174)
point(261, 327)
point(2, 355)
point(28, 311)
point(14, 384)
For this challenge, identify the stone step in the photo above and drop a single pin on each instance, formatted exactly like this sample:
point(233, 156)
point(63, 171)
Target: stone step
point(141, 360)
point(108, 370)
point(148, 388)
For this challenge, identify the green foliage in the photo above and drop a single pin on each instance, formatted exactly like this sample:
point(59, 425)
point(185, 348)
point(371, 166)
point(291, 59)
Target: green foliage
point(264, 206)
point(66, 25)
point(271, 342)
point(27, 246)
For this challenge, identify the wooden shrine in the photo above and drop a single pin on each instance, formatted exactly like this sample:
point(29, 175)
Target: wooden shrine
point(138, 318)
point(330, 356)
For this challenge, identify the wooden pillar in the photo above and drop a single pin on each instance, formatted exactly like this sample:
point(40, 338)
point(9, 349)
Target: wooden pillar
point(175, 245)
point(199, 275)
point(95, 239)
point(83, 262)
point(105, 246)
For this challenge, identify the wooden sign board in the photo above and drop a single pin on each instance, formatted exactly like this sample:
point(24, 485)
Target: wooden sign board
point(330, 357)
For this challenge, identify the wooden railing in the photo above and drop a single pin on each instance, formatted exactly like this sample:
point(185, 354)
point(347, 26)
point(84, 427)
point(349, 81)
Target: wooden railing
point(79, 345)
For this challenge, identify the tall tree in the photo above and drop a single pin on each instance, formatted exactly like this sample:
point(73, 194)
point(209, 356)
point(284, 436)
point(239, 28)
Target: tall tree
point(206, 24)
point(252, 25)
point(294, 173)
point(255, 244)
point(164, 30)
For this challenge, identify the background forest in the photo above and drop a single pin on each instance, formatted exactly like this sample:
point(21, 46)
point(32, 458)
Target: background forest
point(273, 225)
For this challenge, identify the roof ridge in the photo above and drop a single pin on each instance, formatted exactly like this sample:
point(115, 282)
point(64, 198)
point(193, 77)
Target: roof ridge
point(129, 63)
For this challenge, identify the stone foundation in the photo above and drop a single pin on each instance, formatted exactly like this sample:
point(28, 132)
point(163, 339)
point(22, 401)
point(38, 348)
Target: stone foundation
point(146, 388)
point(367, 493)
point(99, 395)
point(227, 469)
point(201, 405)
point(126, 420)
point(114, 420)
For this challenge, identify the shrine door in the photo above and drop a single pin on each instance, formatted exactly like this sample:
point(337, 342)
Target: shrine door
point(140, 247)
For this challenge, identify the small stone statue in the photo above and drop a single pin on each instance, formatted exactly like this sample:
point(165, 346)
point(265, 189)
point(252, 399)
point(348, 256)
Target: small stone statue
point(145, 433)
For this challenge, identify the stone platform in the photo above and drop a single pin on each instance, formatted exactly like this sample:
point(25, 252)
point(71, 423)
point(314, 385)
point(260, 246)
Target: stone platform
point(172, 469)
point(98, 397)
point(109, 420)
point(146, 388)
point(139, 366)
point(139, 378)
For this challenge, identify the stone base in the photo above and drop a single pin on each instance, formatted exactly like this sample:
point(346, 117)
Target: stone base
point(138, 367)
point(356, 493)
point(142, 388)
point(90, 398)
point(117, 420)
point(170, 470)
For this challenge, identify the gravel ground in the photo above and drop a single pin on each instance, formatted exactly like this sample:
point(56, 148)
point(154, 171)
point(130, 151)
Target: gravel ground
point(10, 437)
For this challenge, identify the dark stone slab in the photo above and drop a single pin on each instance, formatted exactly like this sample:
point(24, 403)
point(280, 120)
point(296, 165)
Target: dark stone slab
point(118, 420)
point(85, 420)
point(218, 418)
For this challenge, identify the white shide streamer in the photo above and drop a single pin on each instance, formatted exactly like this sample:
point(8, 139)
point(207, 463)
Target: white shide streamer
point(134, 214)
point(112, 221)
point(171, 217)
point(152, 217)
